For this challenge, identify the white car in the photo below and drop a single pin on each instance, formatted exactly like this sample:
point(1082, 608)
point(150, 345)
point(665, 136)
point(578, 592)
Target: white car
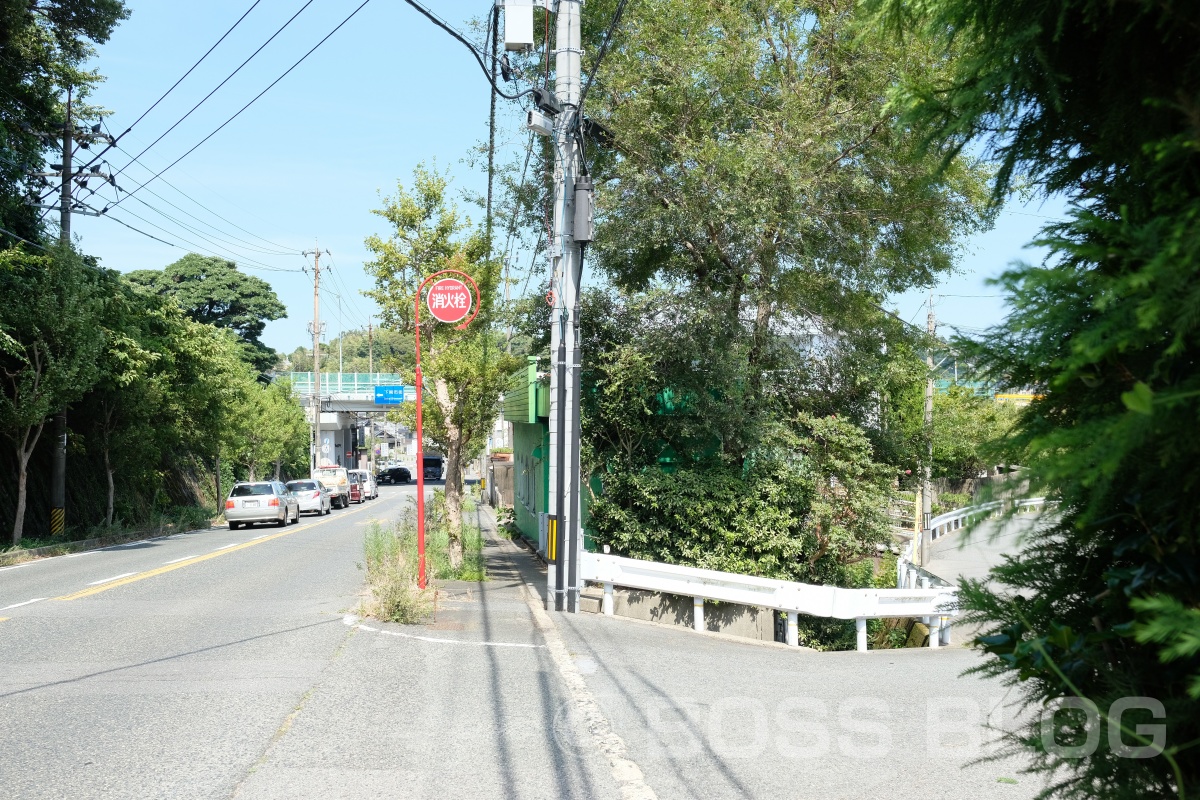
point(311, 495)
point(263, 501)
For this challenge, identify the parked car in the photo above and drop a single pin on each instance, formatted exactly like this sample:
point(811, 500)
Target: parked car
point(312, 496)
point(261, 501)
point(369, 484)
point(434, 466)
point(355, 487)
point(338, 481)
point(393, 475)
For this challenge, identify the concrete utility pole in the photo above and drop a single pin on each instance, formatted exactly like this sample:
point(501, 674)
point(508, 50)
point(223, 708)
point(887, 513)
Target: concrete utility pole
point(370, 345)
point(58, 464)
point(926, 486)
point(315, 328)
point(562, 581)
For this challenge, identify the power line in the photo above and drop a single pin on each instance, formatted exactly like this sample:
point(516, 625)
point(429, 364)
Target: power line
point(252, 101)
point(475, 50)
point(184, 194)
point(242, 261)
point(20, 239)
point(222, 83)
point(174, 85)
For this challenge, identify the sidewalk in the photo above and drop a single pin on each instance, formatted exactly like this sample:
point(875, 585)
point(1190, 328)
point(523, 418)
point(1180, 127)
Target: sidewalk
point(461, 707)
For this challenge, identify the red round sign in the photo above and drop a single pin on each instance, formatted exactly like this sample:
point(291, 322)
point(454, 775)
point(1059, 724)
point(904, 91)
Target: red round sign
point(448, 300)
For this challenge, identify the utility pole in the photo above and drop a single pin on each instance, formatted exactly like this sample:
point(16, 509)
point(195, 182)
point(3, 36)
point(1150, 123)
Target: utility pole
point(926, 486)
point(562, 580)
point(66, 171)
point(371, 345)
point(341, 335)
point(315, 328)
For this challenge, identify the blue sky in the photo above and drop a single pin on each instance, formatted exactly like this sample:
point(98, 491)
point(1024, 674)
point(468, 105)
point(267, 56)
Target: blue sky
point(305, 164)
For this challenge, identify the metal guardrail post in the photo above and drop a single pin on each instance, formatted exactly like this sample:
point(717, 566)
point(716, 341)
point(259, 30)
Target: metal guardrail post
point(698, 613)
point(793, 629)
point(860, 628)
point(607, 604)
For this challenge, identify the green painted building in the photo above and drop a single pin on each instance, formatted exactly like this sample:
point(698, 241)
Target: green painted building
point(527, 408)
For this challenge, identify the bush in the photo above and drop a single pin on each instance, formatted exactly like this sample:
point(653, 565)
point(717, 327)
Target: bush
point(392, 579)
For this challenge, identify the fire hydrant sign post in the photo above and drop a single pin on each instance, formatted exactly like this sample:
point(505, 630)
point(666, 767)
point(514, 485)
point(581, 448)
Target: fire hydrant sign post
point(448, 300)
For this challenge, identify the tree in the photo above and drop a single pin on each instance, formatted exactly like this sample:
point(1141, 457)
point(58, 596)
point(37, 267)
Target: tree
point(754, 160)
point(45, 45)
point(1097, 102)
point(53, 338)
point(270, 428)
point(212, 291)
point(466, 370)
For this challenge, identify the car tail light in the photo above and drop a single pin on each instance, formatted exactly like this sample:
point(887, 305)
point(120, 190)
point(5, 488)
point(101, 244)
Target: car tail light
point(229, 504)
point(274, 501)
point(316, 495)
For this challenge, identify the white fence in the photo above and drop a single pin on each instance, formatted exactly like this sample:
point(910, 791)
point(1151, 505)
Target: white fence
point(935, 604)
point(909, 575)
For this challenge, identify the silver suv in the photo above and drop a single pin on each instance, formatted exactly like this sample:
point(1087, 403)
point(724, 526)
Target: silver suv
point(263, 501)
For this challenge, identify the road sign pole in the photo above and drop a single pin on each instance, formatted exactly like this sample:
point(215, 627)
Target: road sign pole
point(441, 313)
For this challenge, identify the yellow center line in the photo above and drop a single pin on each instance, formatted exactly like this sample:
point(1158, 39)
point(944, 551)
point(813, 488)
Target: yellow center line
point(5, 619)
point(141, 576)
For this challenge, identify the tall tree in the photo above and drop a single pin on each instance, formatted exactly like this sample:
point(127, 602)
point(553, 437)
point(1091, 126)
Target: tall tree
point(1100, 102)
point(212, 291)
point(466, 369)
point(53, 338)
point(44, 45)
point(753, 158)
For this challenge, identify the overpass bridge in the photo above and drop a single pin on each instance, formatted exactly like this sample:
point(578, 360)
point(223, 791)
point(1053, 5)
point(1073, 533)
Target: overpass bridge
point(348, 401)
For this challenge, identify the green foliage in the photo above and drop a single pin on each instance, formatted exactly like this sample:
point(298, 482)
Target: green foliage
point(811, 503)
point(51, 323)
point(211, 291)
point(45, 46)
point(1097, 101)
point(465, 369)
point(392, 579)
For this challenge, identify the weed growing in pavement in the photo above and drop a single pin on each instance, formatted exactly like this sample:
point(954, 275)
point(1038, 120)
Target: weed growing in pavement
point(390, 554)
point(392, 578)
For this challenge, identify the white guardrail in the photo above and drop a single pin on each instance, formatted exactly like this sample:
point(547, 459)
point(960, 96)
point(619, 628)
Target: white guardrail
point(909, 575)
point(935, 604)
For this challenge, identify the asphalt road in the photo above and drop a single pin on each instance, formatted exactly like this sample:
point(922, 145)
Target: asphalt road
point(219, 664)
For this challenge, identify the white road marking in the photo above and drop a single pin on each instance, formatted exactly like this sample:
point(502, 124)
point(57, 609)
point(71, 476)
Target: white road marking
point(75, 555)
point(17, 566)
point(113, 578)
point(227, 546)
point(625, 770)
point(256, 538)
point(353, 622)
point(27, 602)
point(177, 560)
point(126, 544)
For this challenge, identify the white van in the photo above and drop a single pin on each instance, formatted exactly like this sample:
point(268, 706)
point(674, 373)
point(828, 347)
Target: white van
point(338, 481)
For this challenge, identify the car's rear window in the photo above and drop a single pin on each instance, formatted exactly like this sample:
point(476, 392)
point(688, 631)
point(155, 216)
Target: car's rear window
point(354, 477)
point(303, 486)
point(251, 489)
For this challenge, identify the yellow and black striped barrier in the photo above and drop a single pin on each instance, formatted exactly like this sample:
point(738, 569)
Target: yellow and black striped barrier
point(58, 521)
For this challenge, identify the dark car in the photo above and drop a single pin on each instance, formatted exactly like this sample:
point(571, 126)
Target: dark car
point(394, 475)
point(434, 466)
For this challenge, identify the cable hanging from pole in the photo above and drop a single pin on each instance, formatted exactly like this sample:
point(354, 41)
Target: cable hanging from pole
point(252, 102)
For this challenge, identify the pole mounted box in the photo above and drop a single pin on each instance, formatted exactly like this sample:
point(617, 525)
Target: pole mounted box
point(584, 224)
point(518, 25)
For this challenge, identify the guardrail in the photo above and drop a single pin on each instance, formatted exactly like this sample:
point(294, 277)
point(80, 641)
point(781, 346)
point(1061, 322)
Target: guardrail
point(935, 604)
point(909, 575)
